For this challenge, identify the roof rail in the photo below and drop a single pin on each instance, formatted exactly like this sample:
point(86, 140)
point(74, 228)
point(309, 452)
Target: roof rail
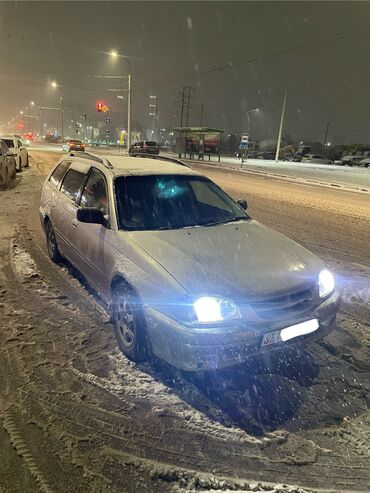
point(87, 155)
point(162, 158)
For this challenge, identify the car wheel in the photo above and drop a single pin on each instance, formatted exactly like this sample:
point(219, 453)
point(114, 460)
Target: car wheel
point(12, 177)
point(51, 243)
point(6, 179)
point(128, 323)
point(19, 168)
point(27, 161)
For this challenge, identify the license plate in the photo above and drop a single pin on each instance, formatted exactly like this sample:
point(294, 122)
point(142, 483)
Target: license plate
point(291, 332)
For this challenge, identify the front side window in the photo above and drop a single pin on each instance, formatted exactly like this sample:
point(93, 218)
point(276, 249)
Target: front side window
point(9, 142)
point(72, 183)
point(172, 201)
point(59, 173)
point(95, 192)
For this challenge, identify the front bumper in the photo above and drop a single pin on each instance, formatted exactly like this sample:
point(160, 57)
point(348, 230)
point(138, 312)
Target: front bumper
point(195, 349)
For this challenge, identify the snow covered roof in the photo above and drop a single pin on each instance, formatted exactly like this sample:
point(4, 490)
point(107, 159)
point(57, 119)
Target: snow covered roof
point(129, 165)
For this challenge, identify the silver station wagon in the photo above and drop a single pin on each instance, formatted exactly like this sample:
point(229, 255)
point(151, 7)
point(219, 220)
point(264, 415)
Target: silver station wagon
point(188, 275)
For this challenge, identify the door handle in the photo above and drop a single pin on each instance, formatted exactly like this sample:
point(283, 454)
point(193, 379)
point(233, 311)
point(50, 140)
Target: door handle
point(74, 224)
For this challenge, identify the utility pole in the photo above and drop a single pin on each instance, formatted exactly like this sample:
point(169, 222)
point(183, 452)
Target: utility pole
point(190, 98)
point(182, 105)
point(326, 133)
point(85, 118)
point(129, 108)
point(281, 127)
point(40, 123)
point(62, 116)
point(186, 106)
point(201, 115)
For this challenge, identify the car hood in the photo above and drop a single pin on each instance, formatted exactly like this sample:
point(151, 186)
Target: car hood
point(235, 260)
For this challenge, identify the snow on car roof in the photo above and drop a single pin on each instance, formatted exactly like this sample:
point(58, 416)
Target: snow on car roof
point(128, 165)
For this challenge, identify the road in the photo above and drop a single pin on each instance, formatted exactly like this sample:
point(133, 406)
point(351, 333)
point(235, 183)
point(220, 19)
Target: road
point(351, 178)
point(77, 416)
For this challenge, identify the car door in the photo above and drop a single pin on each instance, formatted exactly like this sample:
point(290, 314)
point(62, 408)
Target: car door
point(3, 166)
point(22, 152)
point(64, 214)
point(92, 239)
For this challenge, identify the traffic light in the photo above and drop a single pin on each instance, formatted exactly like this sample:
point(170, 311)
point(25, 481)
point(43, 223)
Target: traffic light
point(99, 106)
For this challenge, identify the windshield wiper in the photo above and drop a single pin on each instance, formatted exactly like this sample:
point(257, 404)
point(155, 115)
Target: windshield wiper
point(223, 221)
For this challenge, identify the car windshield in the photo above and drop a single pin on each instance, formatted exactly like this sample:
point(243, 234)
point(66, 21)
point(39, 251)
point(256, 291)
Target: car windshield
point(9, 142)
point(173, 201)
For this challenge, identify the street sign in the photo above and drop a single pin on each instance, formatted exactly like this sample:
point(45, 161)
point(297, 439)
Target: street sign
point(108, 120)
point(107, 134)
point(244, 140)
point(105, 108)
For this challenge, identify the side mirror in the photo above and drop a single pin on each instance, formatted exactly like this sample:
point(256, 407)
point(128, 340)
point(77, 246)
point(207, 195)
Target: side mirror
point(90, 215)
point(243, 204)
point(10, 154)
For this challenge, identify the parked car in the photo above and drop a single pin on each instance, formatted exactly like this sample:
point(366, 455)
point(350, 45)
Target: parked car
point(7, 166)
point(364, 162)
point(350, 160)
point(266, 155)
point(73, 145)
point(188, 274)
point(144, 147)
point(15, 144)
point(315, 159)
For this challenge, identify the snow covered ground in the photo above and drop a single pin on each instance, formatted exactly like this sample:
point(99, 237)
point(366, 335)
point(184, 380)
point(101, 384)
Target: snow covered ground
point(350, 178)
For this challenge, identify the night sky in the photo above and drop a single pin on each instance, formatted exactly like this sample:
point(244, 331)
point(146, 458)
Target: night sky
point(236, 54)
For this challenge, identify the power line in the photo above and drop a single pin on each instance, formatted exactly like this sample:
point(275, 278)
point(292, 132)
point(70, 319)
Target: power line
point(311, 44)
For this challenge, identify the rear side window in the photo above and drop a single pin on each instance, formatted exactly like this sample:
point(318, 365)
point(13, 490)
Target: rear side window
point(150, 143)
point(59, 173)
point(72, 183)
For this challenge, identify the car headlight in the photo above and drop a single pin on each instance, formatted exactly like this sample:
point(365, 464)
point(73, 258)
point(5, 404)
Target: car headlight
point(214, 309)
point(326, 283)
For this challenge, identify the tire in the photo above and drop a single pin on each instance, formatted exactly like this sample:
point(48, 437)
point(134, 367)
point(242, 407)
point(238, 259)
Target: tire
point(12, 177)
point(6, 178)
point(129, 323)
point(27, 162)
point(51, 243)
point(19, 169)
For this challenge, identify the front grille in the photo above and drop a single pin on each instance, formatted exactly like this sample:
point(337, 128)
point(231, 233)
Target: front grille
point(286, 305)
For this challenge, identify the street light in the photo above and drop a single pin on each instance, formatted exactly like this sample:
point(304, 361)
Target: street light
point(249, 112)
point(115, 54)
point(55, 85)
